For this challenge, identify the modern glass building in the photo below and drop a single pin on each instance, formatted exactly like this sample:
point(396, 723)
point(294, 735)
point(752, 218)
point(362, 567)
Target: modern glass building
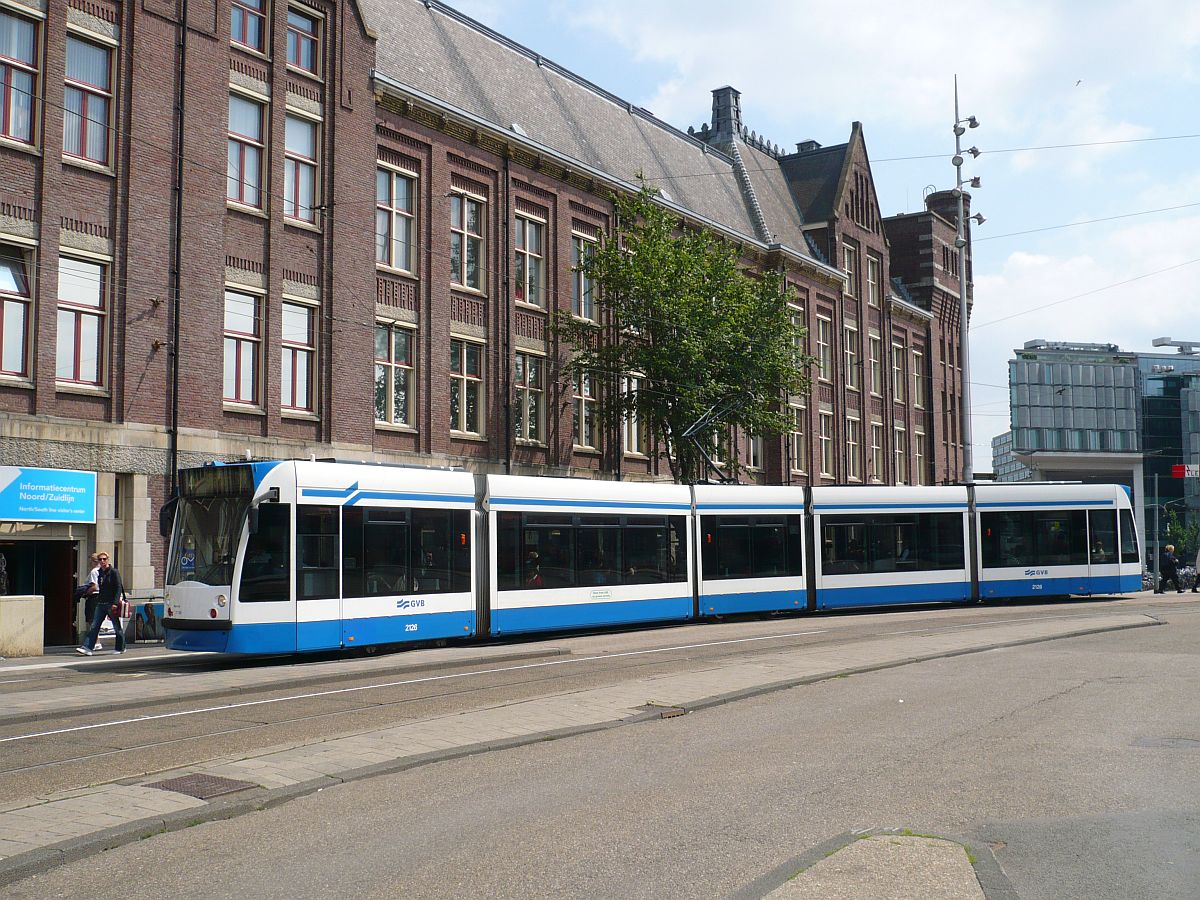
point(1093, 412)
point(1005, 465)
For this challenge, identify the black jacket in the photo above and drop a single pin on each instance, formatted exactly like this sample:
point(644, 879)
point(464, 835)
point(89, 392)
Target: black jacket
point(111, 587)
point(1168, 563)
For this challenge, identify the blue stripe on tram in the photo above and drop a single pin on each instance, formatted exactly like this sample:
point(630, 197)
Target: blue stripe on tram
point(887, 595)
point(583, 615)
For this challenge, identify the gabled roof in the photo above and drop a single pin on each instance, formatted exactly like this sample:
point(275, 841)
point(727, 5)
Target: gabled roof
point(814, 178)
point(442, 56)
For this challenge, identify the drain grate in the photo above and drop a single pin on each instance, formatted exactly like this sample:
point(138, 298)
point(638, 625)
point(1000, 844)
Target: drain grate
point(664, 712)
point(202, 787)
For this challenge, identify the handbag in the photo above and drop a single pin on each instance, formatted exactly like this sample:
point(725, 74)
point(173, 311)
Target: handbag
point(123, 608)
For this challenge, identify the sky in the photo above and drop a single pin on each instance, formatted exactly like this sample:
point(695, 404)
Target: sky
point(1118, 84)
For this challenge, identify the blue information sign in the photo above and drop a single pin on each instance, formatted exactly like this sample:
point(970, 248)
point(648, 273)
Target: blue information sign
point(47, 495)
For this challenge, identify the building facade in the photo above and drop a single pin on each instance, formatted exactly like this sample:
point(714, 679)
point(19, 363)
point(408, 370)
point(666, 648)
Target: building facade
point(294, 228)
point(1005, 465)
point(924, 261)
point(1086, 411)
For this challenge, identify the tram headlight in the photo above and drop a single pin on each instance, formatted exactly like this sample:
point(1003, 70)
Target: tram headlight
point(221, 600)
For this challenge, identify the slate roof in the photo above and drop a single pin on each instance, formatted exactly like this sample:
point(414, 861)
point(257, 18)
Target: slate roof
point(814, 177)
point(774, 197)
point(446, 56)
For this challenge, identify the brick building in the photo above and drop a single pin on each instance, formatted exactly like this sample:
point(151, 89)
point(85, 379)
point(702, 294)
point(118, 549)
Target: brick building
point(925, 266)
point(338, 228)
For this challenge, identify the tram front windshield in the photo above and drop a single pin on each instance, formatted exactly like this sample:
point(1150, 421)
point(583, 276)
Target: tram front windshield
point(212, 510)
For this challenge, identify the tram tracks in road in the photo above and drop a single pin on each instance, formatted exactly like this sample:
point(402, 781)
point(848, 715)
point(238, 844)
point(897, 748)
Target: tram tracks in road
point(145, 749)
point(529, 681)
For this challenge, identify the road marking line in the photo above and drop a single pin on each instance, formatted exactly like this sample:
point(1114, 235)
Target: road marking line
point(367, 687)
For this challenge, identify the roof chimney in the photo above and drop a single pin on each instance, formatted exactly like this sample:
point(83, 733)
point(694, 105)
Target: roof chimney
point(726, 113)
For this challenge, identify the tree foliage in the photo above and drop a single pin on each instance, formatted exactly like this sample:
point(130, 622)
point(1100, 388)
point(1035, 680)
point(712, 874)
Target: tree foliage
point(1184, 534)
point(677, 310)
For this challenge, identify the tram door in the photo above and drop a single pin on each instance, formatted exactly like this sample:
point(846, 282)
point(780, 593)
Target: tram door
point(318, 571)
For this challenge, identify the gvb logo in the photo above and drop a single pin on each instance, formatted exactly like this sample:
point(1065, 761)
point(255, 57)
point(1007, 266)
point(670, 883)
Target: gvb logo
point(1034, 573)
point(410, 604)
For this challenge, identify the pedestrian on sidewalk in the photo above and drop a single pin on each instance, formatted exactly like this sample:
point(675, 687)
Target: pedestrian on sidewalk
point(89, 591)
point(1196, 566)
point(111, 592)
point(1168, 567)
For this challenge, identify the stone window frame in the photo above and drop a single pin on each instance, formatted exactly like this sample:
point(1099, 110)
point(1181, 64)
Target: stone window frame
point(391, 365)
point(394, 212)
point(107, 93)
point(243, 339)
point(32, 68)
point(81, 311)
point(297, 350)
point(468, 381)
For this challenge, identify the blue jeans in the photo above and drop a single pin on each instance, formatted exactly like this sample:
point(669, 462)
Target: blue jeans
point(104, 611)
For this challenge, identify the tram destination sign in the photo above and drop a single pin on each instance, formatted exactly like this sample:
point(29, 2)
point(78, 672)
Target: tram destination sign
point(1185, 471)
point(47, 495)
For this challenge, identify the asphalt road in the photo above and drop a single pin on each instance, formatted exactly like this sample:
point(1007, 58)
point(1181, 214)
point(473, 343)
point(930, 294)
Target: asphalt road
point(302, 699)
point(1077, 762)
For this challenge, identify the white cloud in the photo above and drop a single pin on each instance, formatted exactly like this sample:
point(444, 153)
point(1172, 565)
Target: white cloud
point(1095, 298)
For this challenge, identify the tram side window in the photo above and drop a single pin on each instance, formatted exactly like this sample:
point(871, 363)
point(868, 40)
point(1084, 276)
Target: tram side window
point(1006, 539)
point(1040, 538)
point(316, 552)
point(598, 550)
point(914, 542)
point(441, 551)
point(1062, 538)
point(548, 560)
point(375, 550)
point(268, 561)
point(842, 547)
point(727, 548)
point(1102, 526)
point(940, 541)
point(508, 551)
point(388, 551)
point(1129, 542)
point(544, 550)
point(751, 546)
point(653, 549)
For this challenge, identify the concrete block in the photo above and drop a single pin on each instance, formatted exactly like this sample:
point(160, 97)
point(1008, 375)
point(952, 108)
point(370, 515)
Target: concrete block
point(21, 625)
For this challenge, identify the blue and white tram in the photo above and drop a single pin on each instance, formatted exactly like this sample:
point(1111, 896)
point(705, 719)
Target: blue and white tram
point(891, 545)
point(282, 557)
point(1040, 540)
point(279, 557)
point(576, 553)
point(752, 550)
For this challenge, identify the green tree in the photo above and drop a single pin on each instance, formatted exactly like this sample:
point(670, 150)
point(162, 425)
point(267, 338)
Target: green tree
point(677, 310)
point(1183, 534)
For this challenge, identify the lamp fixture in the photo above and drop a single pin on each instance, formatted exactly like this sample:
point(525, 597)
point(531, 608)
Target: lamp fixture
point(963, 246)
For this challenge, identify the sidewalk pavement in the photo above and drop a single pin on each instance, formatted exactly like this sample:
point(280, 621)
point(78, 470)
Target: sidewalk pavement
point(58, 828)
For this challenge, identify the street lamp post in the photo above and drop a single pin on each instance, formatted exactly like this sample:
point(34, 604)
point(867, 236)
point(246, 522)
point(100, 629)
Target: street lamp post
point(960, 244)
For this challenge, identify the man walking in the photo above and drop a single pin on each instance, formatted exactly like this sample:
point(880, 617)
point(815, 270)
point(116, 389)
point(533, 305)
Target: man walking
point(111, 591)
point(1168, 567)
